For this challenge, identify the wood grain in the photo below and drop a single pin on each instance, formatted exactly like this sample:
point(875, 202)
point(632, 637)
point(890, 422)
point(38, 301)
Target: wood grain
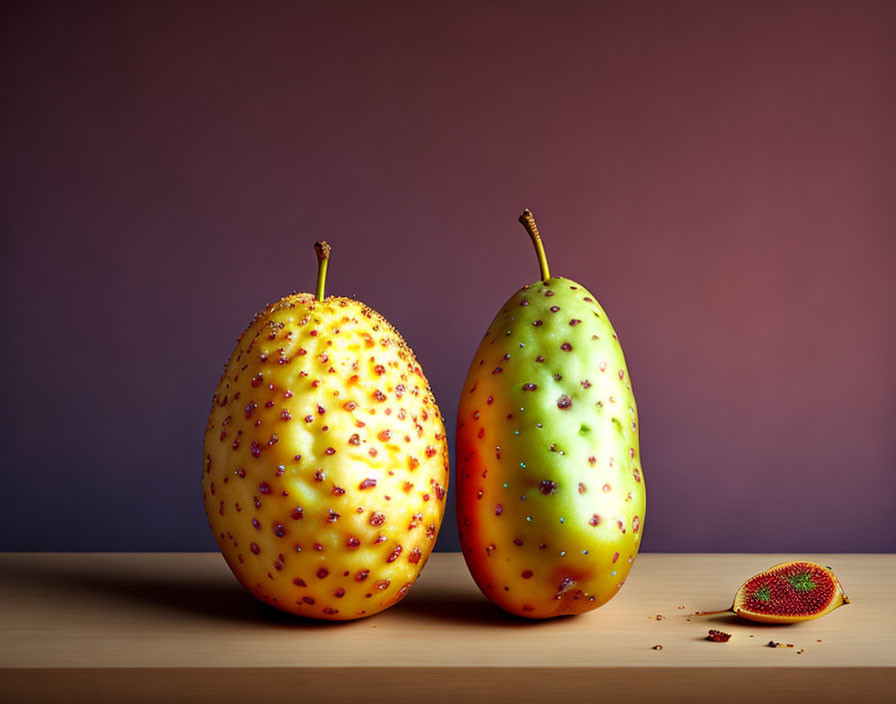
point(178, 627)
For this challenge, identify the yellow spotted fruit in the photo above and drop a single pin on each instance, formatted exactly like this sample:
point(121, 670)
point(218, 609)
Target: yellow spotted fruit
point(325, 462)
point(551, 496)
point(788, 593)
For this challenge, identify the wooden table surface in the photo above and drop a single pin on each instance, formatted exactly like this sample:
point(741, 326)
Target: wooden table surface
point(178, 627)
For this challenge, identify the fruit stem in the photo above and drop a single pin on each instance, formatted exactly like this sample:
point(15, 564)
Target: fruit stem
point(323, 258)
point(528, 221)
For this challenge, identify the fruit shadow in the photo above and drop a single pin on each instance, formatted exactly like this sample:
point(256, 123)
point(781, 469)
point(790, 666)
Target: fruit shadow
point(723, 619)
point(210, 598)
point(228, 600)
point(463, 607)
point(734, 621)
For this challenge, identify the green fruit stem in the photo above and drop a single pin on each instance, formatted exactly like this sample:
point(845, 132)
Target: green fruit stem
point(528, 221)
point(323, 258)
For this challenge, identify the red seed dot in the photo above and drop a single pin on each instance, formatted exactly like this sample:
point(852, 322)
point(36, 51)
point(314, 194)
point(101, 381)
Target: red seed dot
point(254, 548)
point(499, 509)
point(595, 520)
point(527, 574)
point(322, 572)
point(564, 403)
point(279, 530)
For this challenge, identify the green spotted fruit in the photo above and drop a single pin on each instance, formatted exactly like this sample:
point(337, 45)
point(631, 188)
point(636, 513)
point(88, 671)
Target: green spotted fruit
point(551, 495)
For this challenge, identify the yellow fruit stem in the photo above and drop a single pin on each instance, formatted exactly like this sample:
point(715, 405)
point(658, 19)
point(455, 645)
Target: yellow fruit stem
point(528, 221)
point(323, 258)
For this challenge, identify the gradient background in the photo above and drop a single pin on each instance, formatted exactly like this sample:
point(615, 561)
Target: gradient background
point(722, 175)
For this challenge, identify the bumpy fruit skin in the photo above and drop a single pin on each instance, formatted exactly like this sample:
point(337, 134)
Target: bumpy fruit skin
point(326, 463)
point(789, 593)
point(551, 495)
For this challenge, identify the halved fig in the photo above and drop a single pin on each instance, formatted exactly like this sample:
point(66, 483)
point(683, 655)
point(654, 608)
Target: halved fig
point(787, 593)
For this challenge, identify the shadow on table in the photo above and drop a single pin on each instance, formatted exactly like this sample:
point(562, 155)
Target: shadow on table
point(732, 620)
point(206, 597)
point(227, 600)
point(466, 607)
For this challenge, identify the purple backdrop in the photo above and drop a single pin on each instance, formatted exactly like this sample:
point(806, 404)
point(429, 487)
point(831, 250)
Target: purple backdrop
point(721, 174)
